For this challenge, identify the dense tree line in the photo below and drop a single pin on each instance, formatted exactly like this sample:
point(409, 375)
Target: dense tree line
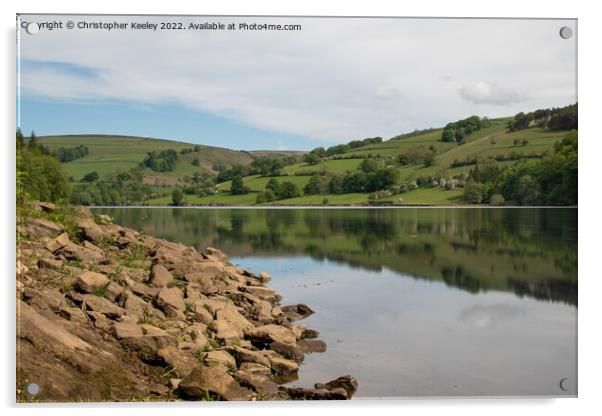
point(275, 190)
point(562, 118)
point(125, 188)
point(457, 131)
point(227, 174)
point(270, 166)
point(163, 161)
point(370, 179)
point(551, 180)
point(67, 154)
point(338, 149)
point(39, 174)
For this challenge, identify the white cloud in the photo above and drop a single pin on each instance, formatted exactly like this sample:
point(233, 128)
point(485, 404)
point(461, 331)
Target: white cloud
point(387, 93)
point(337, 79)
point(483, 92)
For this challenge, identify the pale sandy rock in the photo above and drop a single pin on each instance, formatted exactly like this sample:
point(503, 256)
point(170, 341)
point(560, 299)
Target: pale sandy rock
point(160, 276)
point(270, 333)
point(221, 357)
point(171, 302)
point(90, 281)
point(215, 380)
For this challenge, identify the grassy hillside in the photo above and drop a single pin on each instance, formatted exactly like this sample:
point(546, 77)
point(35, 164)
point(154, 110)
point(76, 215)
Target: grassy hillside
point(420, 168)
point(111, 154)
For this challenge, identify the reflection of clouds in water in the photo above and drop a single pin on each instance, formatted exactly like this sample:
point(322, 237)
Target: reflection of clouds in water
point(388, 315)
point(484, 316)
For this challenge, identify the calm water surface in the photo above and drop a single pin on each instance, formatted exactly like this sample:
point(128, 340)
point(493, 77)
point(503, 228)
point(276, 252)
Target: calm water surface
point(412, 302)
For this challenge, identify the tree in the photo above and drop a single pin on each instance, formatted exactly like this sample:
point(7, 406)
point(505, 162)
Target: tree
point(319, 152)
point(195, 162)
point(459, 135)
point(238, 187)
point(177, 197)
point(447, 135)
point(429, 159)
point(355, 182)
point(369, 165)
point(90, 177)
point(311, 159)
point(288, 190)
point(265, 196)
point(318, 184)
point(529, 190)
point(474, 192)
point(273, 185)
point(39, 175)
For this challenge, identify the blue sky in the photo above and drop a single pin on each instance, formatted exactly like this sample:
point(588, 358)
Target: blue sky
point(334, 81)
point(53, 117)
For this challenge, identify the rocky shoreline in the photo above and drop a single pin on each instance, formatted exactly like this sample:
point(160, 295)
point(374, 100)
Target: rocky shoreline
point(105, 313)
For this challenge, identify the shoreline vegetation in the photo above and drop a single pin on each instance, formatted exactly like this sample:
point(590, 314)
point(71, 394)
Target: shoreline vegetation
point(107, 313)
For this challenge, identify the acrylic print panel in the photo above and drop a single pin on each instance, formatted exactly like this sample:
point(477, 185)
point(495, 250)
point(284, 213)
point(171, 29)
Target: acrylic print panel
point(409, 188)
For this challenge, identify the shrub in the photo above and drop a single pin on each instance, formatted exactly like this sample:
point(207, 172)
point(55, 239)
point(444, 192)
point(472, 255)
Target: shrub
point(177, 197)
point(497, 199)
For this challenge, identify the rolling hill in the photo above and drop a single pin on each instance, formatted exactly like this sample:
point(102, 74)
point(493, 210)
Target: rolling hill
point(448, 160)
point(112, 154)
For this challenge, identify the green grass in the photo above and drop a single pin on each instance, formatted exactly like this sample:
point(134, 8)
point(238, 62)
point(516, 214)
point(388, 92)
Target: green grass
point(112, 154)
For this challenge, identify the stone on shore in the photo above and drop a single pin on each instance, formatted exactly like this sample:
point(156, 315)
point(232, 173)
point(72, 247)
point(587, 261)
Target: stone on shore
point(206, 381)
point(89, 282)
point(160, 276)
point(171, 302)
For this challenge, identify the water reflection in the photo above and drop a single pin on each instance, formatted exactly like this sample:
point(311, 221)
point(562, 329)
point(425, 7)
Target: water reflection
point(530, 252)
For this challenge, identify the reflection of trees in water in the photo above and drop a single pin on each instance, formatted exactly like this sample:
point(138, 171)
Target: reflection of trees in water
point(521, 250)
point(458, 277)
point(553, 289)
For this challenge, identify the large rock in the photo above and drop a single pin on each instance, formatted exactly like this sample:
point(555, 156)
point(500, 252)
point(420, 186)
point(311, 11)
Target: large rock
point(181, 362)
point(261, 292)
point(347, 383)
point(204, 270)
point(137, 307)
point(214, 380)
point(46, 334)
point(296, 312)
point(262, 384)
point(160, 276)
point(42, 227)
point(103, 306)
point(226, 332)
point(57, 243)
point(254, 368)
point(221, 357)
point(272, 333)
point(231, 315)
point(301, 393)
point(244, 355)
point(91, 281)
point(201, 313)
point(44, 298)
point(90, 230)
point(171, 302)
point(87, 255)
point(280, 364)
point(149, 342)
